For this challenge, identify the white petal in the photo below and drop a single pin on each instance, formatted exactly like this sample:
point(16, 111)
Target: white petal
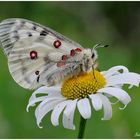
point(118, 86)
point(68, 115)
point(38, 91)
point(118, 68)
point(84, 108)
point(120, 94)
point(55, 90)
point(96, 101)
point(56, 112)
point(42, 89)
point(48, 90)
point(115, 70)
point(34, 101)
point(47, 106)
point(48, 99)
point(106, 106)
point(43, 103)
point(125, 78)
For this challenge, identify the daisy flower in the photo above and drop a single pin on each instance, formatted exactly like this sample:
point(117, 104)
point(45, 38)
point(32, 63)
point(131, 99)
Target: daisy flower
point(86, 92)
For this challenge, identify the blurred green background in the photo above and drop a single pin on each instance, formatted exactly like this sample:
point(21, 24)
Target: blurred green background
point(113, 23)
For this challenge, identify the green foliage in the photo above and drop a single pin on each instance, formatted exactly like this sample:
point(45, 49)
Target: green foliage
point(113, 23)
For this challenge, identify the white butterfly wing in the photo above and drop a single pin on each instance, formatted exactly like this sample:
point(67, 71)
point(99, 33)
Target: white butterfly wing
point(34, 52)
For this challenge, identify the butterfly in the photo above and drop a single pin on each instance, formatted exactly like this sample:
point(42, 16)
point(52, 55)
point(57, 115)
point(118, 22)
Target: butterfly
point(38, 55)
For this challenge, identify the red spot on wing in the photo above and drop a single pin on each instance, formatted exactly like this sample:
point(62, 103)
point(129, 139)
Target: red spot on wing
point(72, 52)
point(61, 64)
point(57, 44)
point(33, 55)
point(78, 50)
point(64, 57)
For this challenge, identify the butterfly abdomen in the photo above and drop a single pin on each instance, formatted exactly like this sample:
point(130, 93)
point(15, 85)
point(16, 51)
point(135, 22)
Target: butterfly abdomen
point(62, 74)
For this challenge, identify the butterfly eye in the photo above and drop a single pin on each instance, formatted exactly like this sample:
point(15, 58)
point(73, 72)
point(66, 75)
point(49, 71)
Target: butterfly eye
point(93, 55)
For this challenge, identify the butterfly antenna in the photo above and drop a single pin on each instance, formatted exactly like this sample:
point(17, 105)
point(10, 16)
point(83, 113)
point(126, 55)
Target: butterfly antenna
point(100, 46)
point(95, 47)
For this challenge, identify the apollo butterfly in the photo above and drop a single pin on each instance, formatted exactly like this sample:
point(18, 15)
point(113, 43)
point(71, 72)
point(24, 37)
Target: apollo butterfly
point(38, 56)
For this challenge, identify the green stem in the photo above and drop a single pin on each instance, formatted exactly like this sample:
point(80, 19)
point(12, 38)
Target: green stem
point(82, 128)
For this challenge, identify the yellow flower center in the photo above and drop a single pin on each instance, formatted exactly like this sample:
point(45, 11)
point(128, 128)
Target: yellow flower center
point(81, 86)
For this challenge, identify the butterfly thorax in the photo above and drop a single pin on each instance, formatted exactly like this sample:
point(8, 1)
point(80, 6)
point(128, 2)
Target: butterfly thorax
point(81, 63)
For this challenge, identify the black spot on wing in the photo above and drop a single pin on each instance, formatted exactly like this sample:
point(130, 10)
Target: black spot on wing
point(37, 72)
point(43, 33)
point(29, 34)
point(34, 27)
point(38, 77)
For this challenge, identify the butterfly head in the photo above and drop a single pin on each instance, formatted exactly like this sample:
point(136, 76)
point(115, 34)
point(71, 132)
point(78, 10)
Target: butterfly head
point(89, 59)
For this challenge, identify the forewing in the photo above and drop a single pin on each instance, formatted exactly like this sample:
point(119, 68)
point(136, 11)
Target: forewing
point(13, 30)
point(32, 55)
